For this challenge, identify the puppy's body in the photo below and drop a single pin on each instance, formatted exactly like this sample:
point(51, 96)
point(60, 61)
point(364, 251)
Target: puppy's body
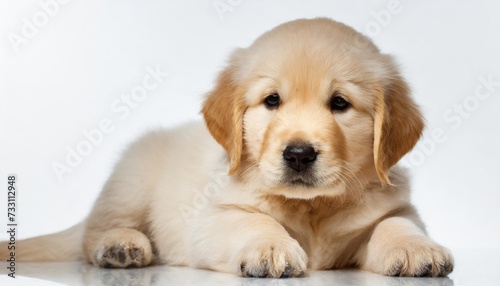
point(191, 211)
point(310, 131)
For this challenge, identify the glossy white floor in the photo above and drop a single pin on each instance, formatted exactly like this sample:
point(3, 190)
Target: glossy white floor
point(472, 267)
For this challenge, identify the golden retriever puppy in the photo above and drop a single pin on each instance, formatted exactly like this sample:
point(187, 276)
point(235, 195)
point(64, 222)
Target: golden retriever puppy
point(293, 170)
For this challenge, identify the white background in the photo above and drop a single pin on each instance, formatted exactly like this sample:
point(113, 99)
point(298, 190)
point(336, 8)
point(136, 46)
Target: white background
point(65, 78)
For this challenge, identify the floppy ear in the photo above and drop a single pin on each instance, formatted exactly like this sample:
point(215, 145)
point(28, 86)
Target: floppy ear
point(223, 112)
point(398, 125)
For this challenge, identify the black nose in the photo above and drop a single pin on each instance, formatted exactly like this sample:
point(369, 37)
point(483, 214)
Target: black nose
point(299, 156)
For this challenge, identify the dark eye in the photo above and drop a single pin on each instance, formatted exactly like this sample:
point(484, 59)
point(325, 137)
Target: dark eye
point(338, 103)
point(272, 101)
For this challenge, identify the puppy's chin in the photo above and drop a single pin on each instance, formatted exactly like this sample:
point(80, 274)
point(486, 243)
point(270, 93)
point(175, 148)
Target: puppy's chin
point(307, 180)
point(308, 184)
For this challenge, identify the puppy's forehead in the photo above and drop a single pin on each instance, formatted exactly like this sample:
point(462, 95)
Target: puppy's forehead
point(310, 59)
point(317, 42)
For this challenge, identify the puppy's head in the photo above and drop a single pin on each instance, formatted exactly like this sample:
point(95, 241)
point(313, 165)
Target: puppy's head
point(312, 108)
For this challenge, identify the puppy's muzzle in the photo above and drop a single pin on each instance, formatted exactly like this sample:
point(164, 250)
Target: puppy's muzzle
point(299, 156)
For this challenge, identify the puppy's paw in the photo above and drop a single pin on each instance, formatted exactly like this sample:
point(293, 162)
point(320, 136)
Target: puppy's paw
point(122, 256)
point(274, 258)
point(123, 252)
point(417, 258)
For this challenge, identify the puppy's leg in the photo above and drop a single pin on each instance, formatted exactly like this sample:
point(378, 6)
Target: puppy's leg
point(398, 247)
point(247, 244)
point(115, 231)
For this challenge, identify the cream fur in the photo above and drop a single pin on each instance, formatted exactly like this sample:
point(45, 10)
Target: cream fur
point(170, 199)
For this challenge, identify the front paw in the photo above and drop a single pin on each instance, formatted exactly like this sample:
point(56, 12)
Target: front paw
point(414, 258)
point(274, 258)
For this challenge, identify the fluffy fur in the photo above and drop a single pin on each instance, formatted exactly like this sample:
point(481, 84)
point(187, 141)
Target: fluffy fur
point(234, 205)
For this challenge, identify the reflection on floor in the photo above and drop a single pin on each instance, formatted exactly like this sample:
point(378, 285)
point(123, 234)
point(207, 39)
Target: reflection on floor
point(473, 267)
